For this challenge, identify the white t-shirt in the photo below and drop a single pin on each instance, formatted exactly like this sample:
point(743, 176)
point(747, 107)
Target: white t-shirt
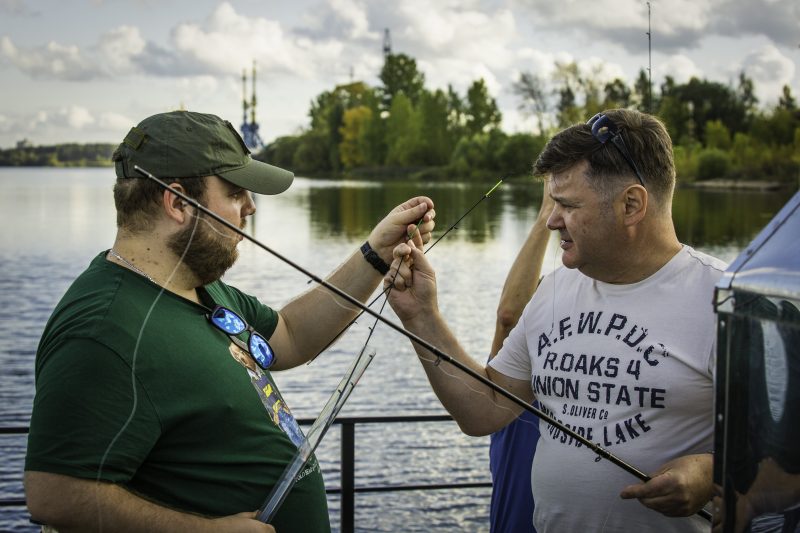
point(629, 367)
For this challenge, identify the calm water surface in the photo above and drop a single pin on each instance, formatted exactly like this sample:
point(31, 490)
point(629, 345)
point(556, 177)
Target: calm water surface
point(55, 221)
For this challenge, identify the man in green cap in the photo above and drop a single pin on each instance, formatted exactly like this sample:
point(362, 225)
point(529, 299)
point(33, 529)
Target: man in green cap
point(155, 407)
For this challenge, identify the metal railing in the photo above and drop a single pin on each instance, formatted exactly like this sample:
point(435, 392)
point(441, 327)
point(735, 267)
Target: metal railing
point(347, 488)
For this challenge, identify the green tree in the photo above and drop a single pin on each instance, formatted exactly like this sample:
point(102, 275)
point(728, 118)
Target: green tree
point(567, 112)
point(776, 128)
point(372, 137)
point(567, 81)
point(531, 91)
point(400, 75)
point(401, 131)
point(313, 153)
point(482, 113)
point(591, 87)
point(713, 163)
point(456, 115)
point(708, 101)
point(351, 149)
point(746, 94)
point(432, 115)
point(643, 93)
point(327, 114)
point(617, 94)
point(280, 152)
point(786, 100)
point(717, 135)
point(520, 151)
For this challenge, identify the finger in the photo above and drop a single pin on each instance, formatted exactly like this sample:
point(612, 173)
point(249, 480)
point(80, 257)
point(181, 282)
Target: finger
point(667, 505)
point(400, 252)
point(417, 201)
point(406, 273)
point(637, 492)
point(420, 261)
point(398, 277)
point(632, 492)
point(424, 231)
point(414, 234)
point(412, 214)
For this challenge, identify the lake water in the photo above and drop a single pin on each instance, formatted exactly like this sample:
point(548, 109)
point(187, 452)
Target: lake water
point(56, 220)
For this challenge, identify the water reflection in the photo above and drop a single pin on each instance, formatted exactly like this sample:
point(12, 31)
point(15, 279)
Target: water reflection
point(702, 218)
point(353, 211)
point(712, 218)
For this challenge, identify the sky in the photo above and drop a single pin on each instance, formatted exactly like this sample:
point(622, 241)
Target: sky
point(89, 70)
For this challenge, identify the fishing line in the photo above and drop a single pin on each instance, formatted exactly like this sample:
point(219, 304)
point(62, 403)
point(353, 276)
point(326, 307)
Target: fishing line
point(596, 448)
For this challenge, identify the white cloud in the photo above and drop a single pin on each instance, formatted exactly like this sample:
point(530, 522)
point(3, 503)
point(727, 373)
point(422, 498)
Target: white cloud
point(456, 43)
point(115, 122)
point(770, 71)
point(75, 117)
point(220, 45)
point(118, 48)
point(680, 67)
point(52, 60)
point(340, 19)
point(538, 62)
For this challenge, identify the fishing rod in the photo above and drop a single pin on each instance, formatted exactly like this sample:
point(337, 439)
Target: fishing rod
point(440, 355)
point(318, 430)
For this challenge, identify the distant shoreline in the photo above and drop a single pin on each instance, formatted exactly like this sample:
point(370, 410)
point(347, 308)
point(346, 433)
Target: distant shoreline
point(431, 174)
point(747, 185)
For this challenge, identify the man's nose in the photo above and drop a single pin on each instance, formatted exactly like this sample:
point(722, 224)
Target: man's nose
point(249, 207)
point(554, 221)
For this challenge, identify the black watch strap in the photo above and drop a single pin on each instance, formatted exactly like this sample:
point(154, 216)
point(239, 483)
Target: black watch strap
point(374, 259)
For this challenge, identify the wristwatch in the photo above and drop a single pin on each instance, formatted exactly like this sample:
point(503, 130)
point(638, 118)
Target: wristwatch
point(374, 259)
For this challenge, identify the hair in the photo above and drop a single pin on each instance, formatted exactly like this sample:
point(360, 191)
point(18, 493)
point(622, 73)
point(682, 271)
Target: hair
point(608, 173)
point(137, 200)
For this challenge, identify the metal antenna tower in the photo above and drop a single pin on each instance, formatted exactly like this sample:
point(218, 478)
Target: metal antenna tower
point(649, 65)
point(250, 129)
point(387, 43)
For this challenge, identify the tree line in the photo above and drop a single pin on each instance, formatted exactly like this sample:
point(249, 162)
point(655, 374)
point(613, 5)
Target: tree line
point(58, 155)
point(401, 128)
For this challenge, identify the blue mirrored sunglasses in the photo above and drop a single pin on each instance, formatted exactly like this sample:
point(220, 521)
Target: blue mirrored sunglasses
point(232, 324)
point(604, 130)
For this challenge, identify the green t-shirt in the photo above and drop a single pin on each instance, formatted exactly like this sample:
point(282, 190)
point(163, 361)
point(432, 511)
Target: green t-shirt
point(135, 386)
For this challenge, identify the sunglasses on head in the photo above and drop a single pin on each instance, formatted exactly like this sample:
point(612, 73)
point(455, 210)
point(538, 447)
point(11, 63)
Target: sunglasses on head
point(604, 130)
point(232, 324)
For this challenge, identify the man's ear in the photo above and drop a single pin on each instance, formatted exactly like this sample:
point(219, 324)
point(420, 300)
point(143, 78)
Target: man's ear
point(175, 206)
point(634, 204)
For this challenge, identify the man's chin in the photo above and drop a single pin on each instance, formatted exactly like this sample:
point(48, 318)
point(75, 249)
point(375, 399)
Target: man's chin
point(568, 260)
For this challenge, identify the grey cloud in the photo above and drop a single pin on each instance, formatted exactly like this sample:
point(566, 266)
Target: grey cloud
point(159, 61)
point(69, 63)
point(52, 61)
point(777, 20)
point(17, 8)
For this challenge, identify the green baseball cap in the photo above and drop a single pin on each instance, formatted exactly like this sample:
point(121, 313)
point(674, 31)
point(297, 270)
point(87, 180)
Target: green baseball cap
point(185, 144)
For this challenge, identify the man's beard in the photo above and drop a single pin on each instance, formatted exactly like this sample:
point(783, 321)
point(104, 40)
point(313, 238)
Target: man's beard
point(207, 249)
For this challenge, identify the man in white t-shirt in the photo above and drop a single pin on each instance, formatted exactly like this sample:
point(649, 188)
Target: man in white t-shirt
point(618, 344)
